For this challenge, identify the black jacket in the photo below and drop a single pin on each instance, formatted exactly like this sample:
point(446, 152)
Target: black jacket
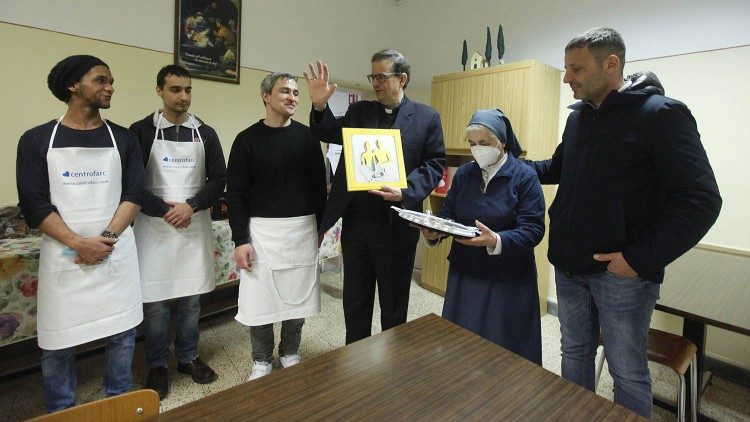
point(421, 139)
point(633, 178)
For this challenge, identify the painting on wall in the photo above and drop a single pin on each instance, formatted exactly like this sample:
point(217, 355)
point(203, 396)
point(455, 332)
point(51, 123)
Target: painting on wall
point(207, 38)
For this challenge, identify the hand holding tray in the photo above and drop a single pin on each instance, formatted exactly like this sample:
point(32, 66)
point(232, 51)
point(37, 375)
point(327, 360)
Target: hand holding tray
point(440, 225)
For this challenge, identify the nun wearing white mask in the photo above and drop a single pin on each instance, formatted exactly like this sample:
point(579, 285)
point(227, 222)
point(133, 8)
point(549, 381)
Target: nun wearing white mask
point(492, 280)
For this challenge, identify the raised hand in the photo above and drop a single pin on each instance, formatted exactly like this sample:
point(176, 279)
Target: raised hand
point(317, 85)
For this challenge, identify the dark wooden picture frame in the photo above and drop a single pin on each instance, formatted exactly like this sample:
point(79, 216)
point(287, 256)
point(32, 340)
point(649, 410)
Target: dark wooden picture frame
point(207, 38)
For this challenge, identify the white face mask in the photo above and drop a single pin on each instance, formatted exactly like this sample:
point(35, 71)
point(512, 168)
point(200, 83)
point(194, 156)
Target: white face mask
point(485, 155)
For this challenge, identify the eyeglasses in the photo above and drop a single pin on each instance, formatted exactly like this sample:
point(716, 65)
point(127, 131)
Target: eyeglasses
point(381, 77)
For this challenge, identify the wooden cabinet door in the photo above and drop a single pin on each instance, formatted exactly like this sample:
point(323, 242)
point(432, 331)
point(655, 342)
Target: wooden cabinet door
point(458, 95)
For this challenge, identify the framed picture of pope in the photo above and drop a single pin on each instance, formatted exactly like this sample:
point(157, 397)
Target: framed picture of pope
point(373, 158)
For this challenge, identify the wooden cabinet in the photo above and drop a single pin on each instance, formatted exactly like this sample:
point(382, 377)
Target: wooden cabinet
point(528, 92)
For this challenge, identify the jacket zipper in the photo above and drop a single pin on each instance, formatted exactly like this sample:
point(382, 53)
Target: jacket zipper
point(571, 208)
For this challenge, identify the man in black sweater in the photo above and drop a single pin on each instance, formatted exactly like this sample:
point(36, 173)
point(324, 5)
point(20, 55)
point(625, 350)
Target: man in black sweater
point(635, 192)
point(185, 173)
point(276, 192)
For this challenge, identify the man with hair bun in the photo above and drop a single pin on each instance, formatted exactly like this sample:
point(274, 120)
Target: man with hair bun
point(80, 181)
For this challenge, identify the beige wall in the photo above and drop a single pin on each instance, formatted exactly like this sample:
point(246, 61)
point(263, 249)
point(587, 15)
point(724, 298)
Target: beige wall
point(419, 95)
point(226, 107)
point(274, 35)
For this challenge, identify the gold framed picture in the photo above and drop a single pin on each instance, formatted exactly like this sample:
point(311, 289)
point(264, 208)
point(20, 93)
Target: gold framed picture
point(374, 158)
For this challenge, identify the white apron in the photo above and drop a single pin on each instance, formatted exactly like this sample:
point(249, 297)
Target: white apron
point(175, 262)
point(81, 303)
point(283, 281)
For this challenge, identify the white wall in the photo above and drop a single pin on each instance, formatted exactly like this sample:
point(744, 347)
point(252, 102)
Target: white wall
point(345, 33)
point(274, 35)
point(431, 32)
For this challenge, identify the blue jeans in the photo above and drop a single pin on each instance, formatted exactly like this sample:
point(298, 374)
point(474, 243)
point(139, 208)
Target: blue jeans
point(157, 321)
point(622, 308)
point(59, 371)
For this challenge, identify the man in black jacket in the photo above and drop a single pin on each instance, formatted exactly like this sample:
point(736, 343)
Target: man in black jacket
point(635, 192)
point(376, 243)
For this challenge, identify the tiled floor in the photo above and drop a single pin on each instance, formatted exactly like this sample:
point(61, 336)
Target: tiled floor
point(225, 346)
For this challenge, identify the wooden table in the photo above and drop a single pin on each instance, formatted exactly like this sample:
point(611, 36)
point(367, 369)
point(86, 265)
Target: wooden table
point(707, 287)
point(427, 369)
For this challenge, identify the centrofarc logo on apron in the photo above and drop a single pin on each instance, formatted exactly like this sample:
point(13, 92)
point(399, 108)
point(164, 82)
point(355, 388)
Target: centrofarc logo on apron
point(85, 177)
point(178, 162)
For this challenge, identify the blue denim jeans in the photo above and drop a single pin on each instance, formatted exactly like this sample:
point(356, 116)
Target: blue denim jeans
point(157, 323)
point(59, 371)
point(621, 308)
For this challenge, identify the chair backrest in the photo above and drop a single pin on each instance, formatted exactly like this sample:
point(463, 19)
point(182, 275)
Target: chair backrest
point(133, 406)
point(670, 349)
point(667, 349)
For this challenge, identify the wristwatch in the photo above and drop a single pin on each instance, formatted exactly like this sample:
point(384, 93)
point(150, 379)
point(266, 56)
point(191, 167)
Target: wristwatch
point(193, 205)
point(109, 234)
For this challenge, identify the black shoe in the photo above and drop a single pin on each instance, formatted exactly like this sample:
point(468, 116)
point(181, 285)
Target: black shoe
point(158, 380)
point(198, 371)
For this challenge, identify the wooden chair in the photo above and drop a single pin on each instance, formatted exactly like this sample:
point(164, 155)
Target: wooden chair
point(675, 352)
point(132, 406)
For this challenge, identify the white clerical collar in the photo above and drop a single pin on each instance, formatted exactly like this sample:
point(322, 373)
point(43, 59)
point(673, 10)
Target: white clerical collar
point(393, 109)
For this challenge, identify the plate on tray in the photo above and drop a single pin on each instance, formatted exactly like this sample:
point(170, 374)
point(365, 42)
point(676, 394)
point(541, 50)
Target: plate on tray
point(434, 223)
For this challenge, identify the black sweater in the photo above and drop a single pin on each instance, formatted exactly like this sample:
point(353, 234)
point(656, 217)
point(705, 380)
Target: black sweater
point(274, 173)
point(216, 170)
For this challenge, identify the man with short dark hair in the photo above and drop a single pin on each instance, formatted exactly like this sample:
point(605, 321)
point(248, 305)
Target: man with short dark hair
point(80, 181)
point(185, 174)
point(378, 246)
point(635, 192)
point(276, 193)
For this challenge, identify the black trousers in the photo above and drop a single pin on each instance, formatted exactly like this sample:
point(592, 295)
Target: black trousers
point(376, 251)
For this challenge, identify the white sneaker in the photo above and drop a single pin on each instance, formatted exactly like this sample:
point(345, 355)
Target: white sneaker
point(260, 369)
point(289, 360)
